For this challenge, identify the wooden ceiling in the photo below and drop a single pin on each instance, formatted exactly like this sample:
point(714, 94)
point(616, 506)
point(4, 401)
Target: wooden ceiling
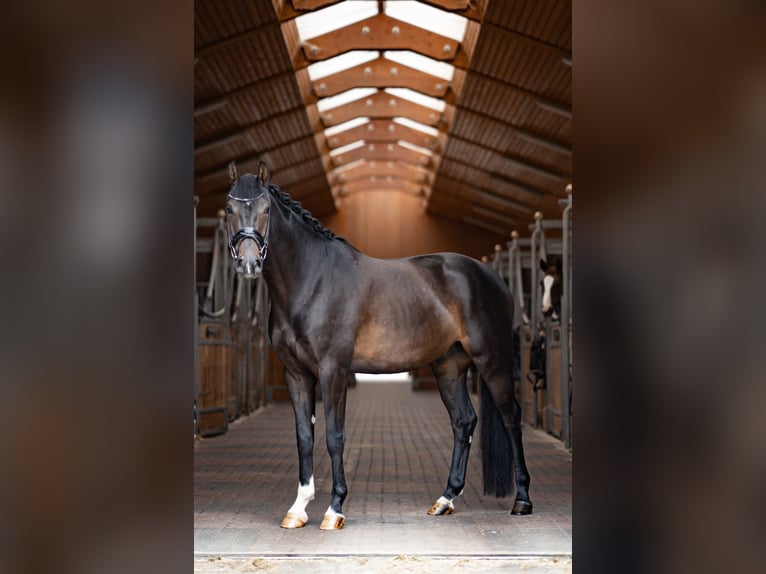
point(499, 144)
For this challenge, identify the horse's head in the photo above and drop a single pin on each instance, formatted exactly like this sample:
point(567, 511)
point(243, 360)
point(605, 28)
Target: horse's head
point(248, 208)
point(552, 286)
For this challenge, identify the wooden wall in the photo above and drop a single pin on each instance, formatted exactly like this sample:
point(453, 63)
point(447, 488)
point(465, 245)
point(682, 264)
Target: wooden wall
point(388, 224)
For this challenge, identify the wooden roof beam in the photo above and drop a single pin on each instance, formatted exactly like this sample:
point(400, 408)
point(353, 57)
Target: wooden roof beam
point(473, 10)
point(243, 129)
point(384, 130)
point(383, 152)
point(522, 162)
point(382, 183)
point(490, 199)
point(380, 73)
point(381, 105)
point(381, 32)
point(383, 168)
point(219, 169)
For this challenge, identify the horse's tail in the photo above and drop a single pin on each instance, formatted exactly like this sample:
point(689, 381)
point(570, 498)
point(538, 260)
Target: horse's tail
point(496, 460)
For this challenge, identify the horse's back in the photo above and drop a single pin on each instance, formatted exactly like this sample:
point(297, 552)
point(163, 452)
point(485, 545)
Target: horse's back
point(482, 300)
point(469, 281)
point(416, 308)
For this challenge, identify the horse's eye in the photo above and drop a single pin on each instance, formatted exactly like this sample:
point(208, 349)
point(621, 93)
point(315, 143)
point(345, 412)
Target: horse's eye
point(267, 211)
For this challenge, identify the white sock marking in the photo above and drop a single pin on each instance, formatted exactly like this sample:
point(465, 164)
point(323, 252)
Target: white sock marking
point(330, 512)
point(305, 495)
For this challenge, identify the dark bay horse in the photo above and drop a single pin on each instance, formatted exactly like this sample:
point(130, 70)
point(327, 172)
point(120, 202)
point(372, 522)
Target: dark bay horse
point(336, 311)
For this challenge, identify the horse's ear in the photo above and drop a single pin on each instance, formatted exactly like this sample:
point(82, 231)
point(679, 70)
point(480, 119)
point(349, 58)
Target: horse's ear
point(543, 265)
point(232, 172)
point(263, 173)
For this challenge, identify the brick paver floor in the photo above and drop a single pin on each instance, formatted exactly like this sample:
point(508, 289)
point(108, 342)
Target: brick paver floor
point(398, 452)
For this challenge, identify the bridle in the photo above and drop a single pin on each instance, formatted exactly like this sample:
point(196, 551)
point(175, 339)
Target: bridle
point(235, 239)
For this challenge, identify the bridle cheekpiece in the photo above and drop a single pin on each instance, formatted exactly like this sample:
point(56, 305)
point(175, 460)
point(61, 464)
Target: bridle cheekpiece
point(235, 239)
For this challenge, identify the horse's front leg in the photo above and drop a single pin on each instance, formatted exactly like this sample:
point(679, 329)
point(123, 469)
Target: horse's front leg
point(302, 389)
point(334, 382)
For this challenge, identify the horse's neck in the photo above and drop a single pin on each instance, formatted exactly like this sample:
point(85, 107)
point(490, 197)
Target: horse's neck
point(295, 262)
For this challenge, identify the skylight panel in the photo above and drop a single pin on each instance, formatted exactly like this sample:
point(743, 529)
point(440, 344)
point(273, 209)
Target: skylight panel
point(347, 148)
point(348, 166)
point(427, 17)
point(407, 122)
point(339, 63)
point(344, 98)
point(350, 124)
point(407, 145)
point(417, 98)
point(318, 22)
point(423, 63)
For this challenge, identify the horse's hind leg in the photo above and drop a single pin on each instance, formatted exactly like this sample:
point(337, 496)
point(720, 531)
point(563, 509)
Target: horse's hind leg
point(496, 375)
point(303, 394)
point(450, 372)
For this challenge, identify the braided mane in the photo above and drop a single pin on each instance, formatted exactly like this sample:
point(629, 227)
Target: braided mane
point(294, 206)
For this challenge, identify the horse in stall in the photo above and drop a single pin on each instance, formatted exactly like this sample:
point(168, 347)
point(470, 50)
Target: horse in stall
point(553, 287)
point(336, 311)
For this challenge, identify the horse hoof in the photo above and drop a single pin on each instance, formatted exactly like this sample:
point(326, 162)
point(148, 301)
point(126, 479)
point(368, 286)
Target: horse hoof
point(441, 507)
point(521, 507)
point(292, 521)
point(332, 522)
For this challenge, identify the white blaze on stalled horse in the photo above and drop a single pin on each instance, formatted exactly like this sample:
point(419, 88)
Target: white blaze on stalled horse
point(547, 285)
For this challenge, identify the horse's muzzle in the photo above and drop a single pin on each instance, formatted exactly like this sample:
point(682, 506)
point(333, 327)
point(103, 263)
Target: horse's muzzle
point(249, 267)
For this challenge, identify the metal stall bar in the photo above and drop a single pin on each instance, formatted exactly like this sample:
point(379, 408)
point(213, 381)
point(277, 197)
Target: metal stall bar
point(566, 316)
point(196, 321)
point(537, 251)
point(497, 260)
point(521, 331)
point(515, 279)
